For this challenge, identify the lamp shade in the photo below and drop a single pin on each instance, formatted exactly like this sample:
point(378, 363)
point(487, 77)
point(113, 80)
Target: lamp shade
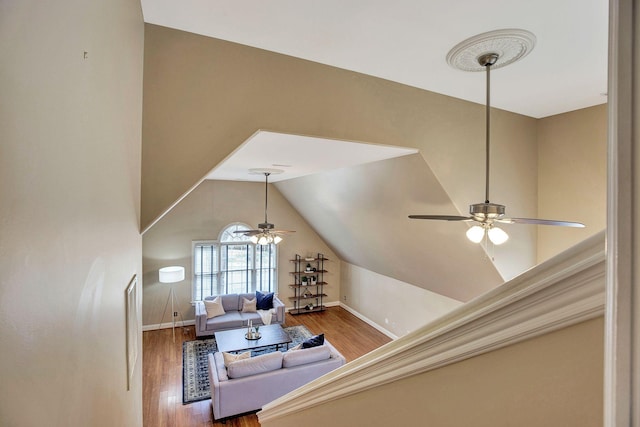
point(171, 274)
point(497, 235)
point(475, 234)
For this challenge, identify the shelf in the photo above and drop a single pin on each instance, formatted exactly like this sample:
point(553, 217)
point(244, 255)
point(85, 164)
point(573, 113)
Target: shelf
point(309, 297)
point(307, 286)
point(297, 311)
point(308, 272)
point(316, 290)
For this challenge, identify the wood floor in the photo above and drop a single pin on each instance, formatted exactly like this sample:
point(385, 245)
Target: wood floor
point(162, 366)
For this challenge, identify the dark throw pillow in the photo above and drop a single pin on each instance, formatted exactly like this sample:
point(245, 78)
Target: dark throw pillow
point(314, 341)
point(265, 301)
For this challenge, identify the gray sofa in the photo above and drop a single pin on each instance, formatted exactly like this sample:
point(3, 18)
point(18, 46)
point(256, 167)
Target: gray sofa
point(233, 318)
point(262, 379)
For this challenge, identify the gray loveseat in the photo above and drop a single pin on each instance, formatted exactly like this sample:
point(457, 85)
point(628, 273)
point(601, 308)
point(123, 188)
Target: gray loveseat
point(233, 318)
point(249, 384)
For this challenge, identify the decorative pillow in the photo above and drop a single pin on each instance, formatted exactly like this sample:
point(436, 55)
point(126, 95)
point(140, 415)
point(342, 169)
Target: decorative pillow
point(313, 341)
point(249, 305)
point(213, 308)
point(307, 355)
point(265, 301)
point(220, 368)
point(298, 347)
point(255, 365)
point(230, 357)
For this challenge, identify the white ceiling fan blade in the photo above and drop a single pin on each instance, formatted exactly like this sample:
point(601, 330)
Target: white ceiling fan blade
point(442, 217)
point(536, 221)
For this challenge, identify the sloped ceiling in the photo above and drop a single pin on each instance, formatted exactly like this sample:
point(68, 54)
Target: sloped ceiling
point(361, 212)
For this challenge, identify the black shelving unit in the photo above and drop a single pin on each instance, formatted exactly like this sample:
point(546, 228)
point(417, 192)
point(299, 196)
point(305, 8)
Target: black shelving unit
point(308, 284)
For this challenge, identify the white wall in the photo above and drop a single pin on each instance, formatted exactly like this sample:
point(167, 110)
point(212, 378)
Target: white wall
point(363, 212)
point(397, 307)
point(70, 148)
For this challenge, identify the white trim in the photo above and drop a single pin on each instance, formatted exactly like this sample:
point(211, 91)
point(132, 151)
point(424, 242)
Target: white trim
point(332, 304)
point(218, 245)
point(168, 325)
point(563, 291)
point(369, 321)
point(621, 364)
point(359, 316)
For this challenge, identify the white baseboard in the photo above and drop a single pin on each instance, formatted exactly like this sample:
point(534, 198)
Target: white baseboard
point(358, 315)
point(369, 321)
point(169, 325)
point(179, 324)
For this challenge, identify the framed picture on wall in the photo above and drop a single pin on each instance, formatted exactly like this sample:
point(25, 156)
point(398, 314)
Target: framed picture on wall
point(132, 328)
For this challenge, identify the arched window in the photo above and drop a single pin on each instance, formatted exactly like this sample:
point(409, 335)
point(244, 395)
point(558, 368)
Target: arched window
point(233, 265)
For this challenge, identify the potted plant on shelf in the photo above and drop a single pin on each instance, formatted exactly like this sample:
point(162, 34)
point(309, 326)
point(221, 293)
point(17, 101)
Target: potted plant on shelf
point(305, 281)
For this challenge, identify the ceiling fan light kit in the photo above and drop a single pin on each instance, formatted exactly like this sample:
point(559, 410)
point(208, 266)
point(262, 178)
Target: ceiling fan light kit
point(266, 233)
point(475, 233)
point(483, 52)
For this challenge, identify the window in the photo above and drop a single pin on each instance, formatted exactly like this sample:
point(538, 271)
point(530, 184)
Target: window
point(233, 265)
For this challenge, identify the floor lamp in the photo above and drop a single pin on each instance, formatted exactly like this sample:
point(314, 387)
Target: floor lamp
point(171, 274)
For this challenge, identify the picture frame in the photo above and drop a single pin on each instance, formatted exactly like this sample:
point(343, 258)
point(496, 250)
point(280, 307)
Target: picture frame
point(131, 299)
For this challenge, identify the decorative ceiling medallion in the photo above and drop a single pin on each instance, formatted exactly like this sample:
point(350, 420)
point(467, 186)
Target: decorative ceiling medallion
point(262, 171)
point(509, 44)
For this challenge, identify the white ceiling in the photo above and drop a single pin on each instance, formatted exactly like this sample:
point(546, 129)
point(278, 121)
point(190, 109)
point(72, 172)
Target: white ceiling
point(405, 41)
point(298, 156)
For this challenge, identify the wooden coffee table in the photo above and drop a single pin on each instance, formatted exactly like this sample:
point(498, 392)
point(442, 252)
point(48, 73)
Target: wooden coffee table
point(234, 339)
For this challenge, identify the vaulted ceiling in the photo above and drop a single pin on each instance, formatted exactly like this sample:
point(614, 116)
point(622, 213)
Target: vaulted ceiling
point(407, 41)
point(361, 210)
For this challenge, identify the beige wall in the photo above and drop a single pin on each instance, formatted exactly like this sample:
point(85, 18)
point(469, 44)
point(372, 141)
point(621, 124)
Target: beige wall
point(70, 156)
point(552, 380)
point(572, 176)
point(396, 306)
point(202, 215)
point(204, 97)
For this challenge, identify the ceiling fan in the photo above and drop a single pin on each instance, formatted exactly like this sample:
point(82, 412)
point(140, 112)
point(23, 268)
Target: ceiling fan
point(514, 44)
point(265, 234)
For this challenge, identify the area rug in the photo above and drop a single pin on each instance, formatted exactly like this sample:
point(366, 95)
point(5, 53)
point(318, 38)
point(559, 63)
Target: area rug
point(195, 377)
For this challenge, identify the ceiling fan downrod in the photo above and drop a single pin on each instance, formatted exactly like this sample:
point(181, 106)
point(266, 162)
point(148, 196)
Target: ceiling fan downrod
point(486, 61)
point(475, 54)
point(265, 224)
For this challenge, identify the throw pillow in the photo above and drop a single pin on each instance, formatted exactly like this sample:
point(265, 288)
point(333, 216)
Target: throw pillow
point(248, 306)
point(298, 347)
point(265, 300)
point(230, 357)
point(214, 308)
point(313, 341)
